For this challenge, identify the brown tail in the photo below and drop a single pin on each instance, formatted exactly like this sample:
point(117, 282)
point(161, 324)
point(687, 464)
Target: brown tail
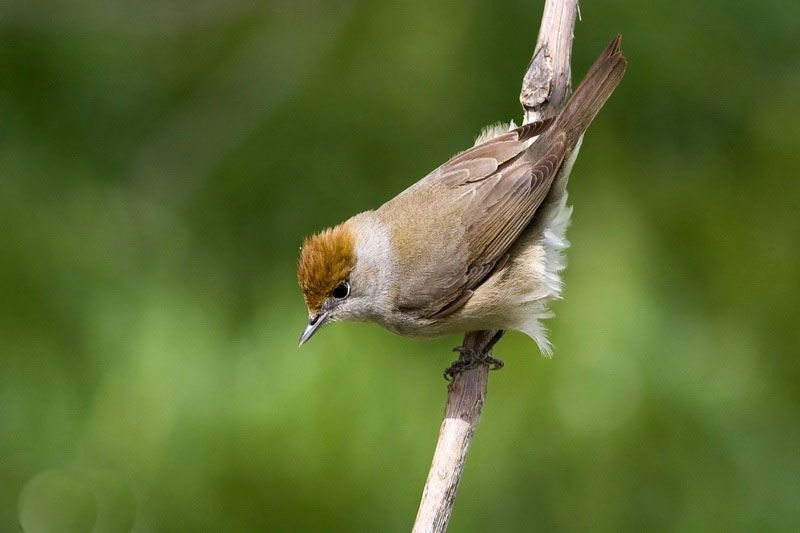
point(596, 87)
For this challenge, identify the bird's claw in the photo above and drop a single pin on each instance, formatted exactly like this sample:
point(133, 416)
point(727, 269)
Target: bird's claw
point(470, 359)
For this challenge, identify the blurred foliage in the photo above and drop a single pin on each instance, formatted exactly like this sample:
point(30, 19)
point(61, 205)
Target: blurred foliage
point(161, 162)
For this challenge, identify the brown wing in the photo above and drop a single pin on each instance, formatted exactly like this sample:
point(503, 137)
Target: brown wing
point(487, 195)
point(504, 203)
point(480, 162)
point(496, 188)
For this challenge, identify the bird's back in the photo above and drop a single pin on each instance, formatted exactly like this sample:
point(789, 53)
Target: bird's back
point(453, 229)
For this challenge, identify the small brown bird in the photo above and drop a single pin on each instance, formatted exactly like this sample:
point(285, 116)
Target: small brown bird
point(477, 244)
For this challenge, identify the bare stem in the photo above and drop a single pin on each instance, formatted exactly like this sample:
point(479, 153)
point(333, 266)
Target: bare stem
point(545, 88)
point(465, 397)
point(546, 84)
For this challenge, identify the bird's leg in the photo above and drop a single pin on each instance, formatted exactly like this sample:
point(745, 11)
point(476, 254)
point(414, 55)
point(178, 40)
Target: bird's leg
point(471, 358)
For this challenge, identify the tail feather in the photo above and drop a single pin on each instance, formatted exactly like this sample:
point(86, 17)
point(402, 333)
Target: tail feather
point(596, 87)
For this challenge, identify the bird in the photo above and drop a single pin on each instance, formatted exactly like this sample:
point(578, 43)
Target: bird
point(477, 244)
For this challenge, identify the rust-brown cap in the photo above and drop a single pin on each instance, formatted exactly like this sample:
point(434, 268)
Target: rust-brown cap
point(326, 259)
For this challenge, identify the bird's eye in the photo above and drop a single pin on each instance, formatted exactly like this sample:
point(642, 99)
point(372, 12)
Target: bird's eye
point(341, 291)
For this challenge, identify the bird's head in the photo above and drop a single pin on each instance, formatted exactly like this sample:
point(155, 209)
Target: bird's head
point(327, 260)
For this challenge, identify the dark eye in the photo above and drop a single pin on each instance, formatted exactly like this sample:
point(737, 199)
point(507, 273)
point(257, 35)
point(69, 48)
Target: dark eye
point(341, 291)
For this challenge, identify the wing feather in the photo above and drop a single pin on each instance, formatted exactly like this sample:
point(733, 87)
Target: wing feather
point(486, 196)
point(499, 188)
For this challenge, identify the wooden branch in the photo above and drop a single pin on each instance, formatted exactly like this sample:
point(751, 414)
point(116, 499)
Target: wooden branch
point(465, 397)
point(547, 82)
point(545, 88)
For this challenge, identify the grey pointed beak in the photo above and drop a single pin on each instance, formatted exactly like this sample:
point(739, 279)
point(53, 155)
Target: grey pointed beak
point(314, 322)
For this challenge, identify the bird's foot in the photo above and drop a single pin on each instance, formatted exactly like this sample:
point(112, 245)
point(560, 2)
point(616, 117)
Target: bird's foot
point(471, 359)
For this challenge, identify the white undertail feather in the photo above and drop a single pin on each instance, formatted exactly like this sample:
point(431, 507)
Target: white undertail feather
point(551, 244)
point(494, 130)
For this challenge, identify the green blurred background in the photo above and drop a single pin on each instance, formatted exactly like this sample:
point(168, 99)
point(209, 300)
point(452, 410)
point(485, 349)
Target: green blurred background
point(161, 161)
